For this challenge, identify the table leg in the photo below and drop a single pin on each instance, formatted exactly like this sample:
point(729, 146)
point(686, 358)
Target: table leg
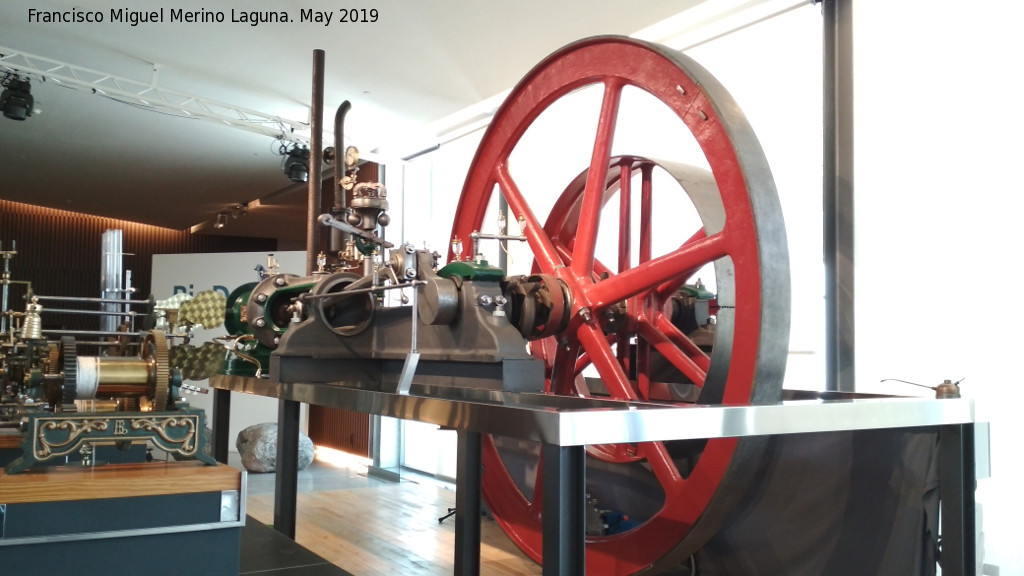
point(287, 478)
point(956, 485)
point(221, 424)
point(467, 504)
point(564, 512)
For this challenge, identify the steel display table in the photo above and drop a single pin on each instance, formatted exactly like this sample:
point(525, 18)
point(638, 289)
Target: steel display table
point(565, 425)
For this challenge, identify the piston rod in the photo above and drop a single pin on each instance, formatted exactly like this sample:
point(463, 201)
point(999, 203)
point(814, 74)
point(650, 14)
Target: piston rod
point(97, 300)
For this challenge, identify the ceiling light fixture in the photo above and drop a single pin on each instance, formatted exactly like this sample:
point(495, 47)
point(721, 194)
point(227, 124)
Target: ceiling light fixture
point(16, 99)
point(222, 219)
point(296, 163)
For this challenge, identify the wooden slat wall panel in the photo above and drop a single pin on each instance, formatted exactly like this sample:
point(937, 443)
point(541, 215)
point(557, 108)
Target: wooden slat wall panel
point(340, 430)
point(59, 252)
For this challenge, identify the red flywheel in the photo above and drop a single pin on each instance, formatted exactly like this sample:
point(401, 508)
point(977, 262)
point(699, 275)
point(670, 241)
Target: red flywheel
point(622, 239)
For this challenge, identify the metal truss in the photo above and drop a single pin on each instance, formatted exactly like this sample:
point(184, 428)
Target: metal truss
point(149, 95)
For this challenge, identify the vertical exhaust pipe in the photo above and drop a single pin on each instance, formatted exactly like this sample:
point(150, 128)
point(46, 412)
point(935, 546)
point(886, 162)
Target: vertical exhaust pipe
point(339, 238)
point(316, 145)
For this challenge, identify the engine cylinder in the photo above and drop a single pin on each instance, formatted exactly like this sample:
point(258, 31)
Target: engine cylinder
point(344, 314)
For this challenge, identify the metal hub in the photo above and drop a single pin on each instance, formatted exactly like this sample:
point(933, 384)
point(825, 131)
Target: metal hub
point(538, 305)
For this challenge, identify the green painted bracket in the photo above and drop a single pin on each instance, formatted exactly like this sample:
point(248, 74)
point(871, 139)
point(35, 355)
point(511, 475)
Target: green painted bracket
point(49, 436)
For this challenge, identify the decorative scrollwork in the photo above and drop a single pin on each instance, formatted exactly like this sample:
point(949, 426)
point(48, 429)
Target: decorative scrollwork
point(160, 426)
point(46, 448)
point(53, 436)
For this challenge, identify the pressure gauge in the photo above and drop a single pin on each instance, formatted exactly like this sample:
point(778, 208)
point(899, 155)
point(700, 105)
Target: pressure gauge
point(351, 156)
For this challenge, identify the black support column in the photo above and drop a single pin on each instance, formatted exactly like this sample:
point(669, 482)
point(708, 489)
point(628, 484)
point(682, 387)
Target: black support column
point(563, 509)
point(221, 424)
point(957, 479)
point(287, 477)
point(838, 199)
point(468, 473)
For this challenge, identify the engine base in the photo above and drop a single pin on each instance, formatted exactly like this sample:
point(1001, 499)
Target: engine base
point(480, 349)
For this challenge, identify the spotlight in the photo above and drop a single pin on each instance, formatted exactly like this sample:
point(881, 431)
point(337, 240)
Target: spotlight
point(16, 100)
point(296, 164)
point(222, 219)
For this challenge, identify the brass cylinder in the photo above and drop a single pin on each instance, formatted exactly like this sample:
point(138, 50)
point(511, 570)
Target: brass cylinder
point(93, 405)
point(111, 377)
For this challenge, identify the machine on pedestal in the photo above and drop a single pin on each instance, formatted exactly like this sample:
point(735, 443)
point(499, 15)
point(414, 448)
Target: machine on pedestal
point(81, 485)
point(58, 404)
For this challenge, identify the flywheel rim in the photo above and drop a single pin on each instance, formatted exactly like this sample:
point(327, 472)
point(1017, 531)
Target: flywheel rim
point(761, 277)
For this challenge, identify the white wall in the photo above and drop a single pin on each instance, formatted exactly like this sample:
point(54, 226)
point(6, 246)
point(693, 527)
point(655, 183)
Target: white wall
point(939, 202)
point(194, 273)
point(432, 186)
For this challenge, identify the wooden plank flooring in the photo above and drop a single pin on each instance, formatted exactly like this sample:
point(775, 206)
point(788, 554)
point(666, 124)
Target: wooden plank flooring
point(371, 527)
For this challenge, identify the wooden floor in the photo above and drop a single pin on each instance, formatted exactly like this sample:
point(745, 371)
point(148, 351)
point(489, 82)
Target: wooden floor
point(371, 527)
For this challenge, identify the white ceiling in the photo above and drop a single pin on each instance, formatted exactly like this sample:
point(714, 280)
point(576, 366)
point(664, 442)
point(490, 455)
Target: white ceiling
point(419, 63)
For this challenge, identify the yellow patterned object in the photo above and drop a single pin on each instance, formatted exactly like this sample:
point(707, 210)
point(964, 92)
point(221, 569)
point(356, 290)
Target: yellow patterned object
point(206, 309)
point(198, 363)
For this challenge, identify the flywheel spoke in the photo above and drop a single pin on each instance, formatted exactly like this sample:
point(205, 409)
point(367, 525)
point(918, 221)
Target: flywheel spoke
point(643, 368)
point(582, 362)
point(691, 350)
point(664, 468)
point(652, 273)
point(596, 345)
point(536, 504)
point(671, 351)
point(625, 216)
point(646, 192)
point(563, 370)
point(593, 196)
point(564, 252)
point(543, 249)
point(668, 288)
